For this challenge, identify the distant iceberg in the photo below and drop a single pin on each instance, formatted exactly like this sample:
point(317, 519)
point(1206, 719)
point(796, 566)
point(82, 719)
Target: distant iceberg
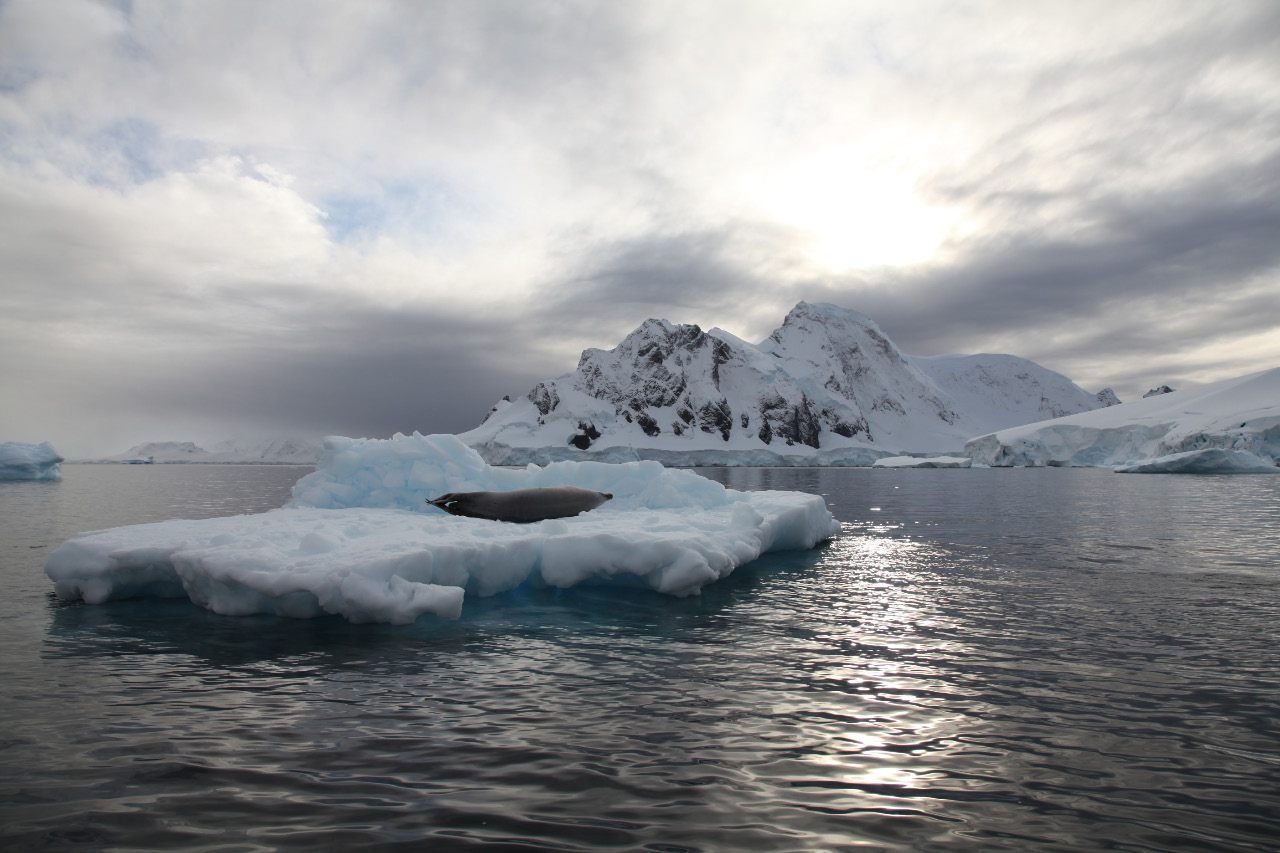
point(1172, 431)
point(19, 461)
point(359, 540)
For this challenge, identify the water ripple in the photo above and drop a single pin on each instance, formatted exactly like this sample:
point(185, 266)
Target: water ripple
point(990, 661)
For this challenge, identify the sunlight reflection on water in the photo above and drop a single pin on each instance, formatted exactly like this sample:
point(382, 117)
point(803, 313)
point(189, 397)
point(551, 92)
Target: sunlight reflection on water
point(960, 669)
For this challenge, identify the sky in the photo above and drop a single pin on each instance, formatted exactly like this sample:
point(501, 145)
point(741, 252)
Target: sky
point(224, 219)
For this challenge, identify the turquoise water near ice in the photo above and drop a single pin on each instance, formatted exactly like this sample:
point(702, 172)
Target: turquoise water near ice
point(1050, 659)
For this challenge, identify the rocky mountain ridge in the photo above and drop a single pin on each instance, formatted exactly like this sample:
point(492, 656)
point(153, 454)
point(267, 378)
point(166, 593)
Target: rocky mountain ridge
point(826, 387)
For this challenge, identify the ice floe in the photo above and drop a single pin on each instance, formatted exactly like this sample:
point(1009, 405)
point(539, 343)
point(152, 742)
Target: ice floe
point(358, 539)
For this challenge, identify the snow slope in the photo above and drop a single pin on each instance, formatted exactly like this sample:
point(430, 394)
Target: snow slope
point(1241, 415)
point(21, 461)
point(997, 391)
point(358, 539)
point(826, 388)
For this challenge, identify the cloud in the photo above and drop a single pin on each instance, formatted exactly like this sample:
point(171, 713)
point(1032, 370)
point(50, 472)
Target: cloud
point(239, 201)
point(1154, 274)
point(330, 366)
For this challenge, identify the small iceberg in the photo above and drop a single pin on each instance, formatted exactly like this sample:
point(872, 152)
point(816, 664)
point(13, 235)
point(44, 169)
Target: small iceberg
point(359, 539)
point(19, 461)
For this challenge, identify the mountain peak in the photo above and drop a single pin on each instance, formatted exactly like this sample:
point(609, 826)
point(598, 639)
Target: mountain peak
point(826, 311)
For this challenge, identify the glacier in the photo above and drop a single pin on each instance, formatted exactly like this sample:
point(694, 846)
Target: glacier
point(22, 461)
point(357, 538)
point(1230, 426)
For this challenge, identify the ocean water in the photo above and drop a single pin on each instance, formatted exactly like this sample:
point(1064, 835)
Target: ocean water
point(985, 660)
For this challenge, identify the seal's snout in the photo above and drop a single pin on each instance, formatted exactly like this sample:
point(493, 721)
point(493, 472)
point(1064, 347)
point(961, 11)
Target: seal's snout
point(607, 495)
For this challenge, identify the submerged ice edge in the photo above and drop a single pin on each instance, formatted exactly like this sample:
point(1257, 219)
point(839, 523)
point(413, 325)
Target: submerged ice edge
point(378, 565)
point(368, 548)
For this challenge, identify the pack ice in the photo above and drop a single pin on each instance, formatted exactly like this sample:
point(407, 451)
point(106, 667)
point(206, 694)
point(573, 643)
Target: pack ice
point(358, 538)
point(22, 461)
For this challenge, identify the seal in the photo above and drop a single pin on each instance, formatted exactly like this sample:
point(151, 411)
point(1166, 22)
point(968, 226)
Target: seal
point(522, 506)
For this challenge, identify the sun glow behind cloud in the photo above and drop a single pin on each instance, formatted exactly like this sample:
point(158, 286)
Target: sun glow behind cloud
point(523, 183)
point(855, 213)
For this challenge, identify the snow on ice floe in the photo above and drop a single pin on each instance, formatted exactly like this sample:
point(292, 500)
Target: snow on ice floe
point(20, 461)
point(923, 462)
point(359, 540)
point(1169, 432)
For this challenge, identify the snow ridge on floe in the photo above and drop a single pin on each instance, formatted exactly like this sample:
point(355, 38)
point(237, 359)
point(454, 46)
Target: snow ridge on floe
point(358, 538)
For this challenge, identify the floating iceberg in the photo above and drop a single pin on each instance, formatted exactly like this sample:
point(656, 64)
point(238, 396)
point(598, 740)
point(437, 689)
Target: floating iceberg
point(358, 538)
point(1240, 415)
point(19, 461)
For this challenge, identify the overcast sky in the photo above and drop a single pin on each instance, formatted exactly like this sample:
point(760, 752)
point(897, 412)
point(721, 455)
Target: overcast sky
point(224, 219)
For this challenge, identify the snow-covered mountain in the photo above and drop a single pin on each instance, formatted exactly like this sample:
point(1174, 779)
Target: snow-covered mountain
point(1107, 397)
point(1227, 426)
point(287, 451)
point(280, 450)
point(826, 388)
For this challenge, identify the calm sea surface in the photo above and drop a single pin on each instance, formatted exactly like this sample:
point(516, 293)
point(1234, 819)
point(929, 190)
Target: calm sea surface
point(985, 660)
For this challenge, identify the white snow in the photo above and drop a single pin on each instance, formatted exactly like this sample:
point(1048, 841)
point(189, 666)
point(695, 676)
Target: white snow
point(358, 538)
point(826, 388)
point(1241, 415)
point(992, 391)
point(21, 461)
point(924, 462)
